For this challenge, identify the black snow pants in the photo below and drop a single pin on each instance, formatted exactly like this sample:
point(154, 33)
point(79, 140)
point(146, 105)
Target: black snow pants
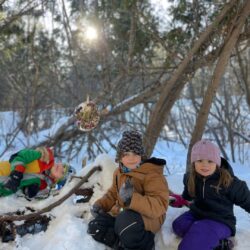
point(126, 231)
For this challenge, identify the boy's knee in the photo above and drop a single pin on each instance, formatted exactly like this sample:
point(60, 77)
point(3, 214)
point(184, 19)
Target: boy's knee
point(128, 221)
point(129, 227)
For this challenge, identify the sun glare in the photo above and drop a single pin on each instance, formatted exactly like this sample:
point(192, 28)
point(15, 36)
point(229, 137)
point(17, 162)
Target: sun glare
point(91, 33)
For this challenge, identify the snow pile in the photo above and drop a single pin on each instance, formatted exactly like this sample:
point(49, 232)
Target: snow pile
point(68, 228)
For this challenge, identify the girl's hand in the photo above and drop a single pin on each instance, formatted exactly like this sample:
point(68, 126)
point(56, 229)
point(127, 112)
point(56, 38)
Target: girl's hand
point(176, 200)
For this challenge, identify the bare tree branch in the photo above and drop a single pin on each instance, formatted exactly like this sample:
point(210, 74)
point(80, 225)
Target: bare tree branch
point(218, 73)
point(162, 107)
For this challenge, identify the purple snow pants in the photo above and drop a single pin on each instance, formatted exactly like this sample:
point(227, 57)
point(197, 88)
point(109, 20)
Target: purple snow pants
point(202, 234)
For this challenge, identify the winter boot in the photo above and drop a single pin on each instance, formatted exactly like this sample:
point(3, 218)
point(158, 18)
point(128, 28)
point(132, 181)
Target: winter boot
point(225, 244)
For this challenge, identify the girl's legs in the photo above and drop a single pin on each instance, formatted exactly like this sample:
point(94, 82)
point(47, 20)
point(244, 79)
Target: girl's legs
point(182, 223)
point(204, 234)
point(129, 227)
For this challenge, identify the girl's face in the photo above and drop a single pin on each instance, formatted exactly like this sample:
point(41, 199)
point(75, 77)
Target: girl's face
point(57, 171)
point(130, 160)
point(205, 167)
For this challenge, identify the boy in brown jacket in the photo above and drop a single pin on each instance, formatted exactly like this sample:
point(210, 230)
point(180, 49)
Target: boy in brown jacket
point(134, 207)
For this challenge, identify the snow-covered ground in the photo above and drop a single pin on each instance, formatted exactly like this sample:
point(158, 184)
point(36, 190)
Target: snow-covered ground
point(67, 229)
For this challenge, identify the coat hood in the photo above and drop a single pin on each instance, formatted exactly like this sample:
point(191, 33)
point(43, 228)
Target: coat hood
point(225, 164)
point(156, 161)
point(149, 166)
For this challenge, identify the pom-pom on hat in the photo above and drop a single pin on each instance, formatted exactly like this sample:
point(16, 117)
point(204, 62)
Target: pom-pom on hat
point(205, 150)
point(131, 141)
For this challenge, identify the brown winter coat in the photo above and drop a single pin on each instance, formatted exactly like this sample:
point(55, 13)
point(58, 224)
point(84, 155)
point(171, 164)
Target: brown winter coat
point(150, 197)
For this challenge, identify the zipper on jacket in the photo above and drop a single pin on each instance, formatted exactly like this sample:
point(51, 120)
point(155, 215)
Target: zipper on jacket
point(203, 188)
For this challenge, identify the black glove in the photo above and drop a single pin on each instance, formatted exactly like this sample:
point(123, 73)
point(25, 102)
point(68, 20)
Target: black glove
point(14, 181)
point(95, 210)
point(126, 192)
point(31, 190)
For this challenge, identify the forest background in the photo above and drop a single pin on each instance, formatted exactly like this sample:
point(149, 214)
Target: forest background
point(176, 72)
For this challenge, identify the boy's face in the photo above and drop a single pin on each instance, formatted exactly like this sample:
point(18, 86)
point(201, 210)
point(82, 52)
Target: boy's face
point(205, 167)
point(130, 160)
point(57, 171)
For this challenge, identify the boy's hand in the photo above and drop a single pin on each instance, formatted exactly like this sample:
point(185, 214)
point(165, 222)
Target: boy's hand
point(176, 200)
point(95, 210)
point(126, 192)
point(14, 181)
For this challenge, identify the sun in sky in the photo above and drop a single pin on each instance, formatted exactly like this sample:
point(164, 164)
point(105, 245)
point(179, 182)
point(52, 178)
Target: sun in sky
point(91, 33)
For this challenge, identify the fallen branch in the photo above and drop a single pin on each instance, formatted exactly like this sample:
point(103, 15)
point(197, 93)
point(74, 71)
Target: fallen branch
point(76, 177)
point(53, 205)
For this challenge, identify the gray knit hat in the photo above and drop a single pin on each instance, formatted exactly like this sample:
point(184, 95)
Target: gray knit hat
point(131, 141)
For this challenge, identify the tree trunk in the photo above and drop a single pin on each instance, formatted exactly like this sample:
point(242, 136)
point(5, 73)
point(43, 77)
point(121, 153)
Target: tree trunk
point(171, 91)
point(218, 73)
point(245, 76)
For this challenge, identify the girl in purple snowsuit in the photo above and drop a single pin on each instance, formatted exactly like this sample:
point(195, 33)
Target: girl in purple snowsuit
point(213, 189)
